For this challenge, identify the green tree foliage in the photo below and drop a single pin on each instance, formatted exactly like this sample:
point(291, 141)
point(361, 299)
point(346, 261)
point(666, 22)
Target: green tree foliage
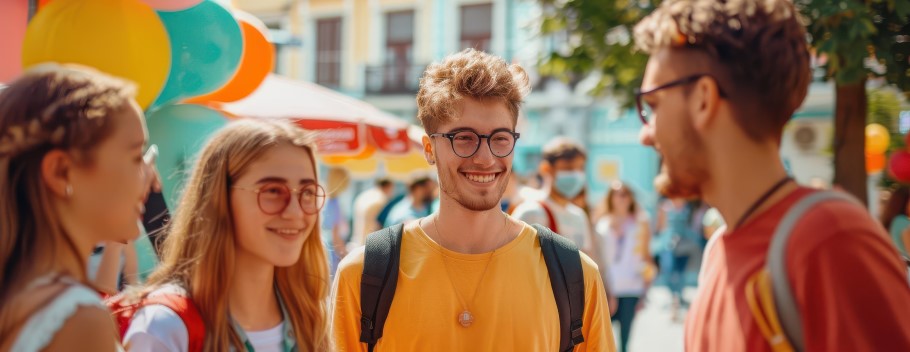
point(855, 40)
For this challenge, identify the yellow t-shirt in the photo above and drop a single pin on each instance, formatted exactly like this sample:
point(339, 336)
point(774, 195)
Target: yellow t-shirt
point(514, 309)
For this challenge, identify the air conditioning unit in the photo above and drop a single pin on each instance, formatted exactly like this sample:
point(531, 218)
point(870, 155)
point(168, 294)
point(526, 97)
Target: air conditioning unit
point(805, 137)
point(808, 137)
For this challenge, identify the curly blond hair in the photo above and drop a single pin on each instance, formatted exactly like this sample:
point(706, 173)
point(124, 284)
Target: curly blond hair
point(468, 74)
point(757, 51)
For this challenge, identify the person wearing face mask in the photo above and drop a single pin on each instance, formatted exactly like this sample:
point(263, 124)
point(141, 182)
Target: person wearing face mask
point(563, 168)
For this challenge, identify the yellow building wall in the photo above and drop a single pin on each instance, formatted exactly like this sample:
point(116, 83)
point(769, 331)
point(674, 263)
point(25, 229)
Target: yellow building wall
point(315, 4)
point(397, 2)
point(260, 6)
point(361, 27)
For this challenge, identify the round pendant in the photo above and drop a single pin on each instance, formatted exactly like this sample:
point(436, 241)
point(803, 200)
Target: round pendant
point(465, 318)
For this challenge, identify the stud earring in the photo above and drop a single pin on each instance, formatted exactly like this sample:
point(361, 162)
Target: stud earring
point(69, 191)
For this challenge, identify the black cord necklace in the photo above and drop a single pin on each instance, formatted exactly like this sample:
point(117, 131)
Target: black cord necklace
point(761, 200)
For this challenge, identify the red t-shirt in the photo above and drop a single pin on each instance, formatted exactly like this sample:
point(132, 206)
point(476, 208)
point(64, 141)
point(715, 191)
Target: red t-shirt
point(846, 276)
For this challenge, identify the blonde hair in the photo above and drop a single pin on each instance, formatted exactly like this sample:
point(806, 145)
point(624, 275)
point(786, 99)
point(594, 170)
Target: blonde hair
point(200, 246)
point(51, 107)
point(468, 74)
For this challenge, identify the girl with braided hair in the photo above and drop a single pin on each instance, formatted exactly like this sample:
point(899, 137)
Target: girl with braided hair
point(71, 175)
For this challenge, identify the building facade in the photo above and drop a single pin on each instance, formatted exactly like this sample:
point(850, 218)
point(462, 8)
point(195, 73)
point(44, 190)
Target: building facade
point(377, 50)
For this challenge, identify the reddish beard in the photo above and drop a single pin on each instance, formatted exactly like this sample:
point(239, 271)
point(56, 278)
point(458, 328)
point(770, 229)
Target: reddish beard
point(673, 187)
point(683, 171)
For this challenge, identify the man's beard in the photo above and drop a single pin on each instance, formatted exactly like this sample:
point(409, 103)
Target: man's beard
point(683, 171)
point(478, 202)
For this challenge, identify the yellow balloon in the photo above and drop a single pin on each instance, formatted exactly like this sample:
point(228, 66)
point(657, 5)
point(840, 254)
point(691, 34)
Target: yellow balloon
point(121, 37)
point(877, 139)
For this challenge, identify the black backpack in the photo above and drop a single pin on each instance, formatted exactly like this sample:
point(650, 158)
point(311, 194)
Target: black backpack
point(380, 278)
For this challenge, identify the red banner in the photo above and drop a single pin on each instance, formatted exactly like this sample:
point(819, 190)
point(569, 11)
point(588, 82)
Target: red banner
point(335, 137)
point(390, 140)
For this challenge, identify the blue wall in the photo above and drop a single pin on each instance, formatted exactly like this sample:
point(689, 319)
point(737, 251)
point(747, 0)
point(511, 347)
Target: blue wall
point(612, 143)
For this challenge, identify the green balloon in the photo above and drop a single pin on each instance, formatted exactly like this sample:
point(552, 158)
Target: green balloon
point(206, 47)
point(180, 132)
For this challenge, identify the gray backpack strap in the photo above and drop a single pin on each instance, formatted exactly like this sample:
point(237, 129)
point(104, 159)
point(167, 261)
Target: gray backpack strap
point(776, 263)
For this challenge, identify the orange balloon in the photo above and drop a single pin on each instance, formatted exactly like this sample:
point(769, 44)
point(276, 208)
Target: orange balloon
point(255, 64)
point(875, 162)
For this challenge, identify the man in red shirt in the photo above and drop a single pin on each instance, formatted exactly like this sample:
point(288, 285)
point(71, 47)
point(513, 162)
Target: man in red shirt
point(722, 80)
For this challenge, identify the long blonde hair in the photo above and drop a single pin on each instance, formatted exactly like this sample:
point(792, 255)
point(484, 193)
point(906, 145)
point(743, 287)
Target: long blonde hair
point(200, 246)
point(51, 107)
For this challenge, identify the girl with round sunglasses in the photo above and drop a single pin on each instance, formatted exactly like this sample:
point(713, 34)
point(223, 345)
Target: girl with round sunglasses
point(244, 250)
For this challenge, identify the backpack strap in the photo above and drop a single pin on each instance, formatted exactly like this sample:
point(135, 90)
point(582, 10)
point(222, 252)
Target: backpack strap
point(188, 312)
point(181, 305)
point(567, 279)
point(379, 280)
point(776, 263)
point(552, 219)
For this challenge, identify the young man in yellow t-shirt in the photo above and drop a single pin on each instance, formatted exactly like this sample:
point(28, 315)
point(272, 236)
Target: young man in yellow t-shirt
point(470, 278)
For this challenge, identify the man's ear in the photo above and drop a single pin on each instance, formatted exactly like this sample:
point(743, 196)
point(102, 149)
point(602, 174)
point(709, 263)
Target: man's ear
point(704, 102)
point(428, 152)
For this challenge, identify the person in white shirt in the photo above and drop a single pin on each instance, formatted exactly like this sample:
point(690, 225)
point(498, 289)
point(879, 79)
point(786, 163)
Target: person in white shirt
point(367, 206)
point(563, 168)
point(624, 235)
point(244, 250)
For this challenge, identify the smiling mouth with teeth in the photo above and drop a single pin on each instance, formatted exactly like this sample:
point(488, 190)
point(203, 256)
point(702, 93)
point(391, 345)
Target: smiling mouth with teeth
point(286, 231)
point(486, 178)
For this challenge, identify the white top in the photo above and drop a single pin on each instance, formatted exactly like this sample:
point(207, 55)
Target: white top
point(271, 340)
point(158, 328)
point(39, 330)
point(367, 206)
point(531, 194)
point(571, 221)
point(621, 250)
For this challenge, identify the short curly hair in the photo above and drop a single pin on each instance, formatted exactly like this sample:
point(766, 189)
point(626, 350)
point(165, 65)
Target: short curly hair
point(468, 74)
point(757, 49)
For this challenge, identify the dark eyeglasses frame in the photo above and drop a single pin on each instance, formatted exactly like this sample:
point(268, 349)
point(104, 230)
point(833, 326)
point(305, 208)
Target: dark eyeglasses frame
point(678, 82)
point(451, 137)
point(320, 193)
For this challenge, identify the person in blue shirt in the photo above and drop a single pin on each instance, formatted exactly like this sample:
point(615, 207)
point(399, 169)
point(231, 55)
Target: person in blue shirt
point(417, 204)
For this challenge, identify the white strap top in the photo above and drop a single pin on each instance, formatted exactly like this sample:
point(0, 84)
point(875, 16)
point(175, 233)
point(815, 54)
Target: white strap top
point(39, 330)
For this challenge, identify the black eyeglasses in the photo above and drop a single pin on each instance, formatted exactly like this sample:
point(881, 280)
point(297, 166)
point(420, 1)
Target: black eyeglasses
point(274, 198)
point(644, 110)
point(466, 143)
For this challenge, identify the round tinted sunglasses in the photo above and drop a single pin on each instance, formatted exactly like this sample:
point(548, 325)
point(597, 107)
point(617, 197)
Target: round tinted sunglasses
point(274, 198)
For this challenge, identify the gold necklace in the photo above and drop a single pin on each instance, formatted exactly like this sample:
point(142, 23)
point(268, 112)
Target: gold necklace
point(466, 318)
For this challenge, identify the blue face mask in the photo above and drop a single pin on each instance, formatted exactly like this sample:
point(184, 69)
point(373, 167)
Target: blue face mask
point(569, 183)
